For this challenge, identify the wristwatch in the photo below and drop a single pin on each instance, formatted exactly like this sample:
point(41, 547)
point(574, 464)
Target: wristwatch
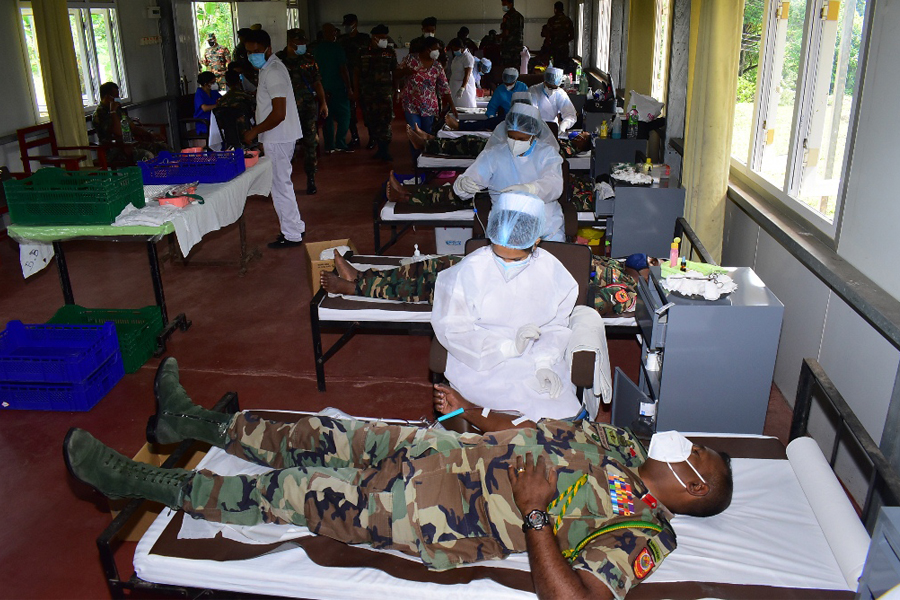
point(536, 519)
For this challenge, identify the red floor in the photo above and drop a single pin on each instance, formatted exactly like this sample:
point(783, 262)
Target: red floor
point(250, 334)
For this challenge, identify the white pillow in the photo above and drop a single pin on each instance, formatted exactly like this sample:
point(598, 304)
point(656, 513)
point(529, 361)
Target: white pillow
point(647, 107)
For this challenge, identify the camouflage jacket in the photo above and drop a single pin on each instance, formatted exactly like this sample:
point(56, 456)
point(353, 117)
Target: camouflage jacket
point(304, 72)
point(459, 502)
point(353, 45)
point(513, 28)
point(216, 59)
point(376, 71)
point(236, 108)
point(102, 120)
point(560, 30)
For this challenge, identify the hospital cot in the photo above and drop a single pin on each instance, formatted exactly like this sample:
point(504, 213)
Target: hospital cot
point(774, 541)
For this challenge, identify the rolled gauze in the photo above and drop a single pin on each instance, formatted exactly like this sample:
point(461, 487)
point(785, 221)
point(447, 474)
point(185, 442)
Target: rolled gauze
point(843, 530)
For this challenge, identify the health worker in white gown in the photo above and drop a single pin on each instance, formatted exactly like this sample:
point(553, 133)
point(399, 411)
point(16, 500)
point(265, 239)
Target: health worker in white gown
point(462, 75)
point(502, 313)
point(552, 101)
point(522, 155)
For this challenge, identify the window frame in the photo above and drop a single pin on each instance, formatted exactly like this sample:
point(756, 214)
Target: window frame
point(781, 198)
point(602, 46)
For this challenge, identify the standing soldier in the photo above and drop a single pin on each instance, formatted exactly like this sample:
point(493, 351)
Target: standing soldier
point(512, 36)
point(560, 32)
point(309, 95)
point(375, 81)
point(216, 59)
point(353, 42)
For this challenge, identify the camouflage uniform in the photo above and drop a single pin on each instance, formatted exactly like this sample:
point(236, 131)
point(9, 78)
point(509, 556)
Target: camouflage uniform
point(353, 45)
point(376, 89)
point(560, 31)
point(466, 146)
point(615, 292)
point(216, 59)
point(408, 283)
point(442, 496)
point(304, 73)
point(142, 149)
point(582, 192)
point(437, 197)
point(513, 29)
point(238, 105)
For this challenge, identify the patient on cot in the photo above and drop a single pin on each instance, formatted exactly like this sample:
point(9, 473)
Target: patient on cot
point(470, 146)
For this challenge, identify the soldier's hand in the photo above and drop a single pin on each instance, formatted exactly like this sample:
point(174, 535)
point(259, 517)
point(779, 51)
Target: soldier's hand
point(323, 111)
point(249, 135)
point(533, 485)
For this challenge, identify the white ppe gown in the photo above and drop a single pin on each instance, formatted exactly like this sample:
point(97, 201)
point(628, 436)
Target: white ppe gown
point(496, 168)
point(552, 104)
point(476, 315)
point(458, 67)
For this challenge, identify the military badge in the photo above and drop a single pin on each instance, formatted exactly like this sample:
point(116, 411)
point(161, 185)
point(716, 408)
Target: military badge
point(620, 496)
point(643, 564)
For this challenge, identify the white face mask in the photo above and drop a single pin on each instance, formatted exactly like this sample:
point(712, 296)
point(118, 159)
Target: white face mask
point(518, 147)
point(511, 270)
point(428, 34)
point(434, 54)
point(214, 86)
point(672, 447)
point(505, 8)
point(382, 43)
point(510, 86)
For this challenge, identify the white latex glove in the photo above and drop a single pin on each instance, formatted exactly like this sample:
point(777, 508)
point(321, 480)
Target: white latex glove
point(465, 185)
point(528, 188)
point(459, 93)
point(524, 334)
point(549, 381)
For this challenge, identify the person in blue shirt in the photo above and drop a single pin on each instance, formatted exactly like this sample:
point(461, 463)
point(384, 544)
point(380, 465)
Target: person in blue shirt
point(205, 99)
point(502, 98)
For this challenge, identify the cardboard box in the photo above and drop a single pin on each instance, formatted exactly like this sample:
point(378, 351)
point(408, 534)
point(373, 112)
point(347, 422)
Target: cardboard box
point(152, 454)
point(314, 266)
point(452, 240)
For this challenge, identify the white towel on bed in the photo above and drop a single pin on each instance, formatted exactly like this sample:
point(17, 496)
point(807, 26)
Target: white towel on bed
point(589, 333)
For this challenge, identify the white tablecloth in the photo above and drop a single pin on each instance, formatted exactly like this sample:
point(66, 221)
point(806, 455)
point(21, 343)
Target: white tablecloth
point(223, 205)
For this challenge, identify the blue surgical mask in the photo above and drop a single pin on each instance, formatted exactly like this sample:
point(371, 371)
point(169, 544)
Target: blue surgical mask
point(257, 59)
point(511, 270)
point(301, 49)
point(505, 8)
point(457, 53)
point(117, 99)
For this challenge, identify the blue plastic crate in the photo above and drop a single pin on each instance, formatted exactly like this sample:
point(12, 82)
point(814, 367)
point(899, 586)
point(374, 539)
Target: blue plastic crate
point(205, 167)
point(64, 396)
point(54, 353)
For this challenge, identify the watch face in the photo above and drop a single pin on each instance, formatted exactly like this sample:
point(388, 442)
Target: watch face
point(536, 519)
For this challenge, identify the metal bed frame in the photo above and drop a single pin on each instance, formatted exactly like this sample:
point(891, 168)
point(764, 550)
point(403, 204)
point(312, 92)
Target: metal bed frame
point(884, 482)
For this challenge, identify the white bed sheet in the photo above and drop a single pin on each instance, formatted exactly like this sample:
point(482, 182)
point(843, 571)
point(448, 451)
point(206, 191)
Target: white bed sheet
point(452, 134)
point(388, 213)
point(731, 548)
point(435, 162)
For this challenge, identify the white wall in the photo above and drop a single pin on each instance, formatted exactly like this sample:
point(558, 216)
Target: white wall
point(450, 15)
point(143, 64)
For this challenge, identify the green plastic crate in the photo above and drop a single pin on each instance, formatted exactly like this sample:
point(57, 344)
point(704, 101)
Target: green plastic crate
point(53, 196)
point(137, 329)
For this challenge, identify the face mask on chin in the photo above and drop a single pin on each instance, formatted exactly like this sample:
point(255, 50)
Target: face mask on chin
point(511, 270)
point(672, 447)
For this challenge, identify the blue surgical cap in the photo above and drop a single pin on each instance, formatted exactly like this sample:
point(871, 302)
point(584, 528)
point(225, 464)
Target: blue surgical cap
point(510, 75)
point(516, 220)
point(553, 76)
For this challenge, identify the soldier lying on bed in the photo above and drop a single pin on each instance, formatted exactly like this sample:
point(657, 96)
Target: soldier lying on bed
point(592, 511)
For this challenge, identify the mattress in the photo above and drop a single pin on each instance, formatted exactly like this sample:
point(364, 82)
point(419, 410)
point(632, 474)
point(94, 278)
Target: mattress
point(736, 548)
point(580, 162)
point(452, 134)
point(389, 214)
point(436, 162)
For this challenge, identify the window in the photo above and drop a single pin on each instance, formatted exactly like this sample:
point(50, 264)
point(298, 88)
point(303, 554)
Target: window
point(579, 31)
point(604, 8)
point(98, 53)
point(661, 49)
point(796, 86)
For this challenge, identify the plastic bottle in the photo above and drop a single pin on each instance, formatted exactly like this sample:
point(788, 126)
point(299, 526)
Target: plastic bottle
point(617, 128)
point(126, 129)
point(649, 166)
point(632, 122)
point(604, 130)
point(673, 253)
point(416, 250)
point(644, 425)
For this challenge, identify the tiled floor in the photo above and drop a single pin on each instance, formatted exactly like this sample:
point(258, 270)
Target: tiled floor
point(250, 334)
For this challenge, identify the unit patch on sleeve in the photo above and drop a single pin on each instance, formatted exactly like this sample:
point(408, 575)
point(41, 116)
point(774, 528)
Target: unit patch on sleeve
point(643, 564)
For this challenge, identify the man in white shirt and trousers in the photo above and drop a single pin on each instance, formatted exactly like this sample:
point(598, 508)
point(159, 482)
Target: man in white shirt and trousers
point(278, 128)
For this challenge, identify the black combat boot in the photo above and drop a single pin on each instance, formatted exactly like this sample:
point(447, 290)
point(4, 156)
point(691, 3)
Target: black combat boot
point(311, 184)
point(383, 153)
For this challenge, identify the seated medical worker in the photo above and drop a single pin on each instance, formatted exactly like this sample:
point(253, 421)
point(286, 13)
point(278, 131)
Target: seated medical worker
point(502, 96)
point(454, 124)
point(205, 99)
point(552, 101)
point(593, 514)
point(502, 313)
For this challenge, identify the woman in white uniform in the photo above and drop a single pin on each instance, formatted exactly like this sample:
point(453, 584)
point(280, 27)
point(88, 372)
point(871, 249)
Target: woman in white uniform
point(502, 314)
point(521, 156)
point(462, 76)
point(552, 101)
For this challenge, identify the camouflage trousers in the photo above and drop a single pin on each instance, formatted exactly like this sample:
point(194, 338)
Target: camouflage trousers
point(339, 478)
point(433, 197)
point(510, 56)
point(309, 119)
point(378, 112)
point(467, 146)
point(582, 192)
point(409, 283)
point(615, 292)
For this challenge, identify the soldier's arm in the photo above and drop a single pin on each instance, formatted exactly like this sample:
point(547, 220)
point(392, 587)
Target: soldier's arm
point(447, 400)
point(534, 487)
point(320, 96)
